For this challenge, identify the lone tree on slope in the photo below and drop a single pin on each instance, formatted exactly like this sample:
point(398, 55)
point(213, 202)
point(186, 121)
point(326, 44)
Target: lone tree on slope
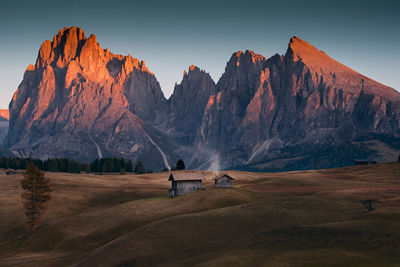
point(180, 165)
point(139, 168)
point(35, 196)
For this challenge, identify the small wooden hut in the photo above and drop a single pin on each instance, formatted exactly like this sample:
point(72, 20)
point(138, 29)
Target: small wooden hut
point(223, 180)
point(10, 172)
point(361, 162)
point(183, 182)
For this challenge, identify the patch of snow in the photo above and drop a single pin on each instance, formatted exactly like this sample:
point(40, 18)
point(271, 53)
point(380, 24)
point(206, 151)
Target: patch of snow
point(97, 147)
point(164, 157)
point(258, 149)
point(16, 153)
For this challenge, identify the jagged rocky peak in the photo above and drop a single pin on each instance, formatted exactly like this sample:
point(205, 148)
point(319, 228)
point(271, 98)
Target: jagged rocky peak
point(241, 58)
point(4, 114)
point(71, 45)
point(299, 47)
point(83, 102)
point(4, 117)
point(79, 91)
point(198, 78)
point(296, 101)
point(248, 54)
point(326, 70)
point(241, 75)
point(242, 67)
point(195, 84)
point(313, 58)
point(192, 70)
point(63, 48)
point(188, 101)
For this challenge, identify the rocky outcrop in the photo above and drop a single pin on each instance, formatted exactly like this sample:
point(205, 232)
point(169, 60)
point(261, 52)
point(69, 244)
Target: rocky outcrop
point(283, 107)
point(4, 117)
point(187, 104)
point(294, 111)
point(81, 101)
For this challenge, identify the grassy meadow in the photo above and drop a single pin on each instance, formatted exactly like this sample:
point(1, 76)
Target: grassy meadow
point(300, 218)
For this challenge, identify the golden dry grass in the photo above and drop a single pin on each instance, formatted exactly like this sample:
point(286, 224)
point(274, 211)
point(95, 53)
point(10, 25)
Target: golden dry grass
point(301, 218)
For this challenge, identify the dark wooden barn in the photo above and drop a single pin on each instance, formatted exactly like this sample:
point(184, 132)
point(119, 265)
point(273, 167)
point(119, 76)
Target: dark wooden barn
point(11, 172)
point(361, 162)
point(185, 182)
point(223, 180)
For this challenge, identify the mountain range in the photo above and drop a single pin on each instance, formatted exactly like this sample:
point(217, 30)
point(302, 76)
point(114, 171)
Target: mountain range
point(299, 110)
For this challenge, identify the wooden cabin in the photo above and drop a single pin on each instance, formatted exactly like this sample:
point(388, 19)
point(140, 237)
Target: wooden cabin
point(223, 180)
point(361, 162)
point(184, 183)
point(11, 172)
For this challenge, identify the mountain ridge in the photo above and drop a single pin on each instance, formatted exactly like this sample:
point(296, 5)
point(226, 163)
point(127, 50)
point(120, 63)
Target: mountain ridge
point(310, 55)
point(82, 101)
point(82, 94)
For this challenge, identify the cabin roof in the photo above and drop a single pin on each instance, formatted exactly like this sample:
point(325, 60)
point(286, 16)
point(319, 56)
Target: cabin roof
point(222, 175)
point(185, 176)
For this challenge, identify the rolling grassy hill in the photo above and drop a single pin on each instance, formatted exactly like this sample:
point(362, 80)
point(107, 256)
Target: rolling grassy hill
point(301, 218)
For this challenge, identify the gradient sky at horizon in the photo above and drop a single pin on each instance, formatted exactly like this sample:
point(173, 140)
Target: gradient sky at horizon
point(172, 35)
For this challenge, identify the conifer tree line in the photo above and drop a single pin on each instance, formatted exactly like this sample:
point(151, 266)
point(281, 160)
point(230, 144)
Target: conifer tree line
point(111, 165)
point(72, 166)
point(67, 165)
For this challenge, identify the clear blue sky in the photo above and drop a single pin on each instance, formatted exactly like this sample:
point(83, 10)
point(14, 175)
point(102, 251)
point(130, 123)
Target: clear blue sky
point(171, 35)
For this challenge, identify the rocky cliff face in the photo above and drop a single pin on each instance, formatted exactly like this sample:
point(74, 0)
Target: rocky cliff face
point(296, 111)
point(4, 117)
point(299, 110)
point(81, 101)
point(187, 103)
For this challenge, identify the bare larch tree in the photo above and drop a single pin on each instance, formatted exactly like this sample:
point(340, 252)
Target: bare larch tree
point(35, 196)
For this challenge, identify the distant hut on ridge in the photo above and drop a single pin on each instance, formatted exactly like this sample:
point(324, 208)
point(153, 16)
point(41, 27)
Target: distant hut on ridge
point(223, 180)
point(11, 172)
point(361, 162)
